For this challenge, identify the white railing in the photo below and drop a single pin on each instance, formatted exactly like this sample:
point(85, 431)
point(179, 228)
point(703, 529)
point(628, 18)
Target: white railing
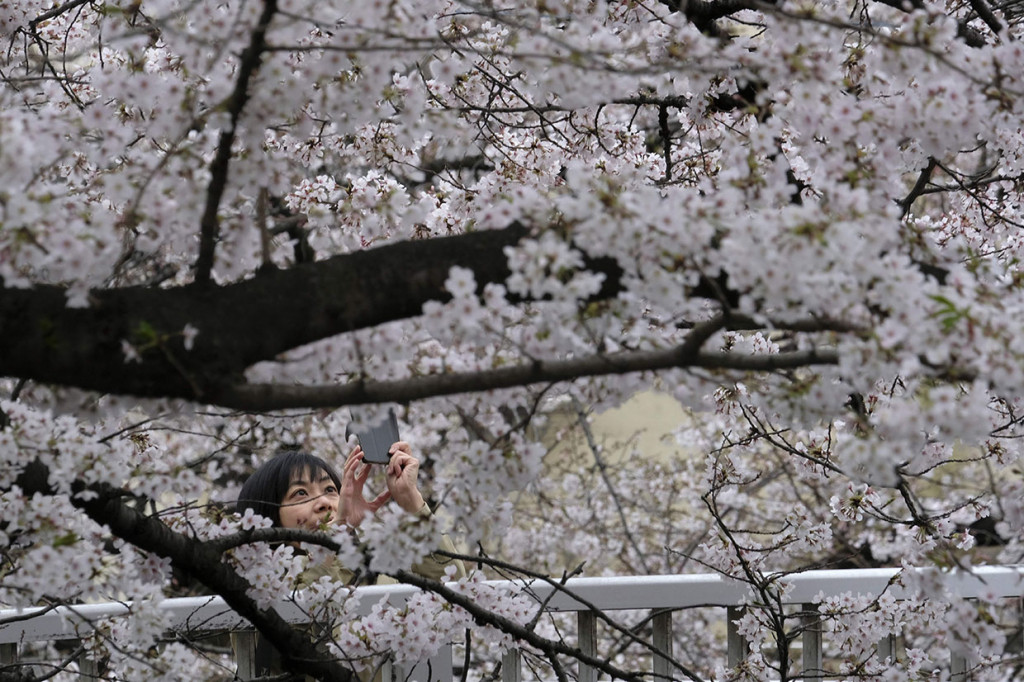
point(659, 594)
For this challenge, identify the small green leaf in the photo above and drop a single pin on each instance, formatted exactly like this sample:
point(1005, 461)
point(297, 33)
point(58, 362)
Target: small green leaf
point(65, 540)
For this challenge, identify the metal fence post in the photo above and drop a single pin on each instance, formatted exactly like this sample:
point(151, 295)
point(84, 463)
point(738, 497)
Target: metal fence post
point(661, 624)
point(811, 657)
point(587, 624)
point(886, 648)
point(957, 668)
point(512, 666)
point(737, 644)
point(88, 667)
point(244, 644)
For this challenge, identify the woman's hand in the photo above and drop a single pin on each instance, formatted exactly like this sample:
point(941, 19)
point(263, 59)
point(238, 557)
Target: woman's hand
point(353, 507)
point(401, 474)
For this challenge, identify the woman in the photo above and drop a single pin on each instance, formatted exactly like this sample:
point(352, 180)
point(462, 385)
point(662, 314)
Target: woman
point(300, 490)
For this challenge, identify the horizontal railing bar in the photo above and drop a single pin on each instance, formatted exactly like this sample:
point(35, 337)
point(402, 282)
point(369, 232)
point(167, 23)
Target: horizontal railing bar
point(605, 593)
point(688, 591)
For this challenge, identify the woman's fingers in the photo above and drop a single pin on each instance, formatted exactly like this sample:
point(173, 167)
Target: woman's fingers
point(353, 460)
point(352, 470)
point(402, 461)
point(402, 473)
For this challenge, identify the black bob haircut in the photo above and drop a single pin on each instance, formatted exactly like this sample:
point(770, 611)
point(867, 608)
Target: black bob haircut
point(266, 487)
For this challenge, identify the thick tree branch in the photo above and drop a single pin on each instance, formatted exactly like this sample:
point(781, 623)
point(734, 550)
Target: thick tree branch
point(104, 505)
point(41, 339)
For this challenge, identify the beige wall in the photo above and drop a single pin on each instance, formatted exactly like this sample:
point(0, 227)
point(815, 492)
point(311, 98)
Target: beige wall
point(646, 421)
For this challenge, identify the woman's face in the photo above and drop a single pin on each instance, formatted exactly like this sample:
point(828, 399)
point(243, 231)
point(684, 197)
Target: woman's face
point(311, 499)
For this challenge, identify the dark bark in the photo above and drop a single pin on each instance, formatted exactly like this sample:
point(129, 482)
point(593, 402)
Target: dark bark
point(43, 340)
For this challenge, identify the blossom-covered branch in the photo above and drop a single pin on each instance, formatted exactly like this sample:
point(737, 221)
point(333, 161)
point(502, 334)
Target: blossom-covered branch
point(106, 506)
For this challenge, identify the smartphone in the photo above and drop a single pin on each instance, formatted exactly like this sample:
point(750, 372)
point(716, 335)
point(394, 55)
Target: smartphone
point(376, 440)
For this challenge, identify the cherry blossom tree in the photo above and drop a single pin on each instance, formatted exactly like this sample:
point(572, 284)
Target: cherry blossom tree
point(224, 224)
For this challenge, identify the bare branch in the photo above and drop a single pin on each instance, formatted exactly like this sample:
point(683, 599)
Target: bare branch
point(278, 397)
point(57, 11)
point(987, 15)
point(922, 182)
point(210, 223)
